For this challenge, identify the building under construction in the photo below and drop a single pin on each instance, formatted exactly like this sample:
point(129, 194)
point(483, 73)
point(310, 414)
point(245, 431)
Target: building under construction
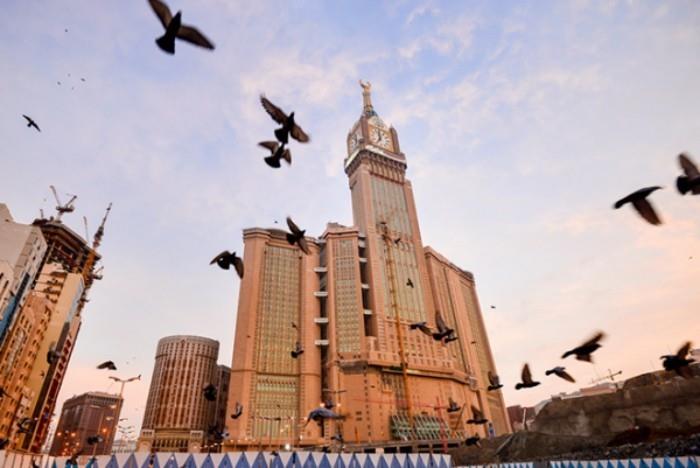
point(349, 305)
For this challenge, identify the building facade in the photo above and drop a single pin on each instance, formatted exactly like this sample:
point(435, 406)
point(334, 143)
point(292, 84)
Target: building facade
point(82, 417)
point(178, 417)
point(352, 301)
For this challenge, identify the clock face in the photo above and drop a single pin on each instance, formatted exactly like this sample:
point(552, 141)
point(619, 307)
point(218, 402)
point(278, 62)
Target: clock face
point(380, 138)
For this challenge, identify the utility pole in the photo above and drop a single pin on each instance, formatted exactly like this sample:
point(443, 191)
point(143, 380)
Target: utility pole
point(123, 383)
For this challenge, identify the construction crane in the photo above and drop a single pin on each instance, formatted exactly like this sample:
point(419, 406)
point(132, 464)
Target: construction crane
point(87, 233)
point(61, 208)
point(97, 240)
point(610, 376)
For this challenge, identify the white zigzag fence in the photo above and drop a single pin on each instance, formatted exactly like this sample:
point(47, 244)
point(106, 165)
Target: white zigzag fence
point(238, 460)
point(662, 462)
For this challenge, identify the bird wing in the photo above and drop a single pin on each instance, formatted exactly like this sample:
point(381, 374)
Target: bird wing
point(162, 12)
point(271, 145)
point(238, 265)
point(299, 135)
point(594, 339)
point(287, 155)
point(565, 375)
point(293, 227)
point(223, 254)
point(690, 169)
point(425, 329)
point(476, 413)
point(29, 119)
point(526, 376)
point(647, 212)
point(275, 112)
point(194, 36)
point(493, 379)
point(304, 245)
point(442, 326)
point(683, 352)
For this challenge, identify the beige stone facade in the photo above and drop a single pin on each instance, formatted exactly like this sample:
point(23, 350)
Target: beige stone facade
point(352, 300)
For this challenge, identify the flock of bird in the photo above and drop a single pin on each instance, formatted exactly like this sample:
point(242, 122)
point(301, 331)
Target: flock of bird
point(278, 149)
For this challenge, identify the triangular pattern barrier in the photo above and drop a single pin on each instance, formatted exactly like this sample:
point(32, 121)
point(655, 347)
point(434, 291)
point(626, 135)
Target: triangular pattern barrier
point(661, 462)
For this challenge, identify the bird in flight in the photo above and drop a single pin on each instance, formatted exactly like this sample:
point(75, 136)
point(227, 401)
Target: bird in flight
point(443, 330)
point(583, 352)
point(277, 153)
point(526, 378)
point(423, 327)
point(297, 236)
point(477, 416)
point(238, 411)
point(494, 382)
point(690, 182)
point(175, 29)
point(409, 283)
point(225, 259)
point(31, 123)
point(640, 203)
point(52, 356)
point(289, 126)
point(209, 392)
point(678, 362)
point(297, 351)
point(107, 365)
point(321, 414)
point(560, 372)
point(453, 407)
point(473, 440)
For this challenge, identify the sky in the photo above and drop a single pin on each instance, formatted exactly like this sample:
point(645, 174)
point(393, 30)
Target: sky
point(522, 123)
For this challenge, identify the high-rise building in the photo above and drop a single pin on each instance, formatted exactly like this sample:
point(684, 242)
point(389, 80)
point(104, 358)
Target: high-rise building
point(83, 417)
point(352, 301)
point(178, 417)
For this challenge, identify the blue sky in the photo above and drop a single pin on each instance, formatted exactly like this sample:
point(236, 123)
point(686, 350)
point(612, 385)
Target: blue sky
point(522, 123)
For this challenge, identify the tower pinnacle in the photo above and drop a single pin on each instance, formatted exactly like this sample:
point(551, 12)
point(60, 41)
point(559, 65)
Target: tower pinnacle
point(367, 98)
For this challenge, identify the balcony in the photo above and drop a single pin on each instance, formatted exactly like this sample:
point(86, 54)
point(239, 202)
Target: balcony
point(321, 294)
point(363, 259)
point(367, 311)
point(321, 320)
point(365, 286)
point(321, 269)
point(321, 342)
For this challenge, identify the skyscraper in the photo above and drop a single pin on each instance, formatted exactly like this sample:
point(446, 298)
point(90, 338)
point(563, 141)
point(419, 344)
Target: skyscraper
point(178, 417)
point(84, 416)
point(352, 301)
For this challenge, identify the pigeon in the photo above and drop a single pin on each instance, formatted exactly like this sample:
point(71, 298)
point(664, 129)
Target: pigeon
point(423, 327)
point(641, 204)
point(397, 240)
point(25, 425)
point(678, 362)
point(473, 440)
point(451, 338)
point(289, 126)
point(96, 439)
point(237, 411)
point(277, 153)
point(320, 414)
point(52, 356)
point(494, 382)
point(443, 330)
point(297, 236)
point(35, 464)
point(690, 182)
point(297, 351)
point(4, 443)
point(82, 79)
point(477, 417)
point(225, 259)
point(493, 306)
point(526, 378)
point(107, 365)
point(560, 372)
point(453, 407)
point(210, 392)
point(2, 392)
point(31, 123)
point(294, 325)
point(583, 352)
point(409, 283)
point(175, 29)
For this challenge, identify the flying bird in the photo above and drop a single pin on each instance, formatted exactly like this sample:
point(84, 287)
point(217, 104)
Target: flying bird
point(2, 392)
point(450, 339)
point(52, 356)
point(297, 236)
point(493, 306)
point(583, 352)
point(25, 425)
point(107, 365)
point(31, 123)
point(494, 382)
point(210, 392)
point(175, 29)
point(409, 283)
point(237, 411)
point(678, 362)
point(473, 440)
point(321, 414)
point(443, 330)
point(225, 259)
point(277, 153)
point(289, 126)
point(641, 204)
point(453, 407)
point(477, 416)
point(328, 403)
point(96, 439)
point(690, 182)
point(526, 378)
point(561, 373)
point(423, 327)
point(297, 351)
